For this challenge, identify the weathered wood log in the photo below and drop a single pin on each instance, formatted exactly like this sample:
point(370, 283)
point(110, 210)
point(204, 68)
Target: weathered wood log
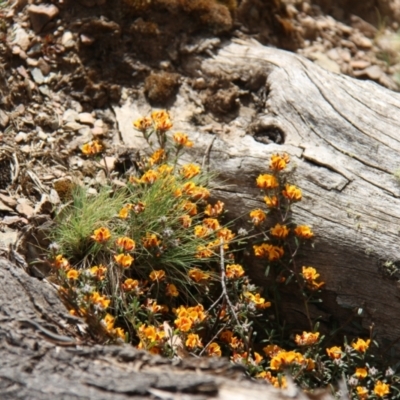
point(344, 137)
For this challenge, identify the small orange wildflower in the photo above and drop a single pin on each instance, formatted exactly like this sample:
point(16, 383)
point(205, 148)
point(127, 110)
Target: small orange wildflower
point(190, 208)
point(272, 350)
point(186, 221)
point(204, 252)
point(141, 124)
point(361, 345)
point(73, 274)
point(292, 193)
point(181, 139)
point(151, 240)
point(188, 171)
point(183, 323)
point(214, 350)
point(165, 169)
point(285, 358)
point(267, 181)
point(201, 231)
point(307, 338)
point(124, 212)
point(124, 260)
point(269, 251)
point(198, 275)
point(234, 271)
point(303, 232)
point(279, 231)
point(258, 358)
point(215, 210)
point(61, 262)
point(99, 300)
point(381, 389)
point(334, 352)
point(171, 290)
point(98, 272)
point(193, 340)
point(108, 322)
point(149, 176)
point(161, 120)
point(257, 300)
point(101, 235)
point(278, 162)
point(92, 148)
point(126, 243)
point(157, 275)
point(226, 234)
point(157, 157)
point(257, 216)
point(130, 284)
point(226, 336)
point(361, 373)
point(362, 392)
point(119, 332)
point(271, 201)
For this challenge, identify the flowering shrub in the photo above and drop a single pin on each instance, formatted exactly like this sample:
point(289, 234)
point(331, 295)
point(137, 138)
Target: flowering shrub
point(152, 265)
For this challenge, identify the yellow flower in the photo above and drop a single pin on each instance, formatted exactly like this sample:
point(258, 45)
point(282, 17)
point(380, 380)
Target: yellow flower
point(124, 212)
point(108, 322)
point(61, 262)
point(285, 358)
point(124, 260)
point(150, 333)
point(292, 193)
point(361, 345)
point(226, 336)
point(190, 208)
point(73, 274)
point(201, 231)
point(334, 352)
point(151, 240)
point(161, 120)
point(200, 193)
point(303, 232)
point(165, 169)
point(226, 234)
point(99, 300)
point(361, 373)
point(362, 392)
point(271, 201)
point(141, 124)
point(307, 338)
point(267, 181)
point(171, 290)
point(214, 211)
point(157, 157)
point(119, 332)
point(269, 251)
point(130, 284)
point(181, 139)
point(149, 177)
point(98, 272)
point(310, 275)
point(184, 324)
point(92, 148)
point(214, 350)
point(186, 221)
point(278, 162)
point(234, 271)
point(157, 275)
point(193, 341)
point(257, 300)
point(279, 383)
point(188, 171)
point(381, 389)
point(279, 231)
point(204, 252)
point(236, 343)
point(258, 358)
point(101, 235)
point(126, 243)
point(310, 364)
point(257, 216)
point(198, 275)
point(272, 350)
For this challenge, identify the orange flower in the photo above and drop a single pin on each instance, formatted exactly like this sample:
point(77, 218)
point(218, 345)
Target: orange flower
point(151, 240)
point(193, 341)
point(184, 324)
point(307, 338)
point(198, 275)
point(119, 332)
point(190, 208)
point(181, 139)
point(234, 271)
point(226, 336)
point(285, 358)
point(211, 223)
point(141, 124)
point(257, 216)
point(271, 201)
point(171, 290)
point(126, 243)
point(149, 176)
point(292, 193)
point(61, 262)
point(165, 169)
point(258, 358)
point(236, 343)
point(138, 208)
point(334, 352)
point(186, 221)
point(204, 252)
point(361, 345)
point(161, 120)
point(272, 350)
point(267, 181)
point(157, 275)
point(188, 171)
point(279, 231)
point(214, 211)
point(101, 301)
point(257, 300)
point(381, 389)
point(92, 148)
point(278, 162)
point(310, 273)
point(124, 212)
point(130, 284)
point(158, 156)
point(73, 274)
point(101, 235)
point(214, 350)
point(124, 260)
point(108, 322)
point(362, 392)
point(269, 251)
point(226, 234)
point(361, 373)
point(303, 232)
point(98, 272)
point(201, 231)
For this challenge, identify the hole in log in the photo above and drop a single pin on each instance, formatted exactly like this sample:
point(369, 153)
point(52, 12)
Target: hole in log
point(268, 134)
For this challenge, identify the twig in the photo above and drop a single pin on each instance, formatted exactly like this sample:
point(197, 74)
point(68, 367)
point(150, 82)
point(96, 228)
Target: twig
point(214, 337)
point(206, 157)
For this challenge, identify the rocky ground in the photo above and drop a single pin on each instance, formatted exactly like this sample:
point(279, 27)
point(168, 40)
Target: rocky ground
point(68, 67)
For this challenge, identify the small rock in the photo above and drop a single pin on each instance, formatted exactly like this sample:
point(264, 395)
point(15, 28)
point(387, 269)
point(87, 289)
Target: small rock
point(16, 50)
point(41, 14)
point(54, 197)
point(86, 118)
point(25, 209)
point(99, 123)
point(86, 40)
point(97, 131)
point(70, 115)
point(31, 62)
point(45, 206)
point(9, 201)
point(5, 208)
point(361, 41)
point(44, 89)
point(21, 137)
point(26, 149)
point(41, 135)
point(373, 73)
point(325, 62)
point(364, 27)
point(359, 64)
point(21, 38)
point(4, 119)
point(67, 40)
point(72, 126)
point(110, 162)
point(44, 66)
point(37, 76)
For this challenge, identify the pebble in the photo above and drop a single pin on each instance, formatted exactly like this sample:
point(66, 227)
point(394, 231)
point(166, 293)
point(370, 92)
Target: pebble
point(41, 14)
point(4, 119)
point(9, 201)
point(86, 118)
point(67, 40)
point(21, 38)
point(359, 64)
point(70, 115)
point(21, 137)
point(37, 75)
